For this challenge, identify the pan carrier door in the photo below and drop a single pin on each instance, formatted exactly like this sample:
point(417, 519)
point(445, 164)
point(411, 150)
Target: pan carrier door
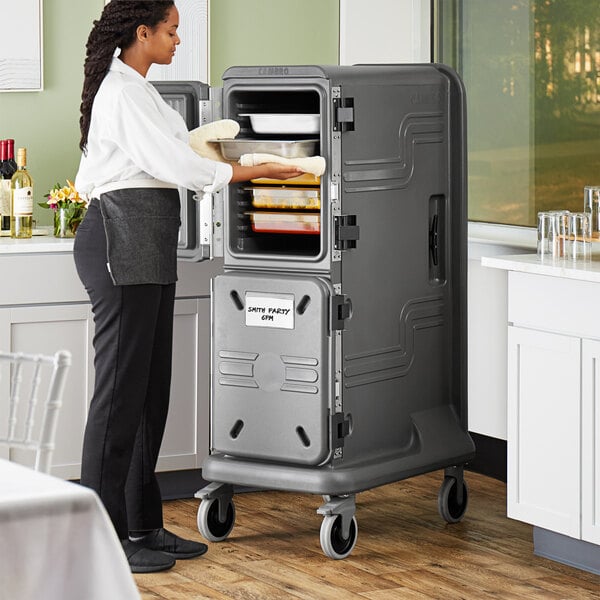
point(200, 233)
point(272, 357)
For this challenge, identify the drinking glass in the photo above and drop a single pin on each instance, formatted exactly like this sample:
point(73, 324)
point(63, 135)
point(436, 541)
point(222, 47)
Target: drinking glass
point(579, 238)
point(591, 205)
point(549, 244)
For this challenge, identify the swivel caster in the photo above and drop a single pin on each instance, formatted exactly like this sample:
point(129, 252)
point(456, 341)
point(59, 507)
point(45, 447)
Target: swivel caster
point(213, 526)
point(452, 501)
point(333, 542)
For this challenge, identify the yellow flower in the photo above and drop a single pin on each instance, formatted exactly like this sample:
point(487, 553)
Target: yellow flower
point(65, 196)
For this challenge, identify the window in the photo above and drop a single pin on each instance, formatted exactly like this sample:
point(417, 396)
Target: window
point(531, 69)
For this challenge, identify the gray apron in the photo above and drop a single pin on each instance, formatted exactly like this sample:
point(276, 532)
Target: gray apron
point(142, 232)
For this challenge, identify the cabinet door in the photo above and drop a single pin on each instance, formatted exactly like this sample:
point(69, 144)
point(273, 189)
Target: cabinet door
point(185, 444)
point(45, 330)
point(590, 442)
point(544, 399)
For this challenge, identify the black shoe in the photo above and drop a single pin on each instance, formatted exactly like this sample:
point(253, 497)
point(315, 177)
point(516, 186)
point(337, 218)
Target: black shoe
point(145, 560)
point(170, 544)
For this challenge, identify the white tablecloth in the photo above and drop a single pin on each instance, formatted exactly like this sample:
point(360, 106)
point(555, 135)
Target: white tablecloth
point(57, 542)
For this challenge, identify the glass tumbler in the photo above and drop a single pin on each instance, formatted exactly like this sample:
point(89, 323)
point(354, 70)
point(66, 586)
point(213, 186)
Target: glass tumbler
point(548, 242)
point(579, 238)
point(591, 205)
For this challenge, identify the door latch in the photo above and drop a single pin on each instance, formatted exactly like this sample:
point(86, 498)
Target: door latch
point(341, 309)
point(343, 111)
point(347, 232)
point(340, 428)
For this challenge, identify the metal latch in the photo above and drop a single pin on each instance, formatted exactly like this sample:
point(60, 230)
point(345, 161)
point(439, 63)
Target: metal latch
point(340, 428)
point(343, 110)
point(347, 232)
point(341, 309)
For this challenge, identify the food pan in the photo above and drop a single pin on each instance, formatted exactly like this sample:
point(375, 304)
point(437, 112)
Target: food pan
point(278, 222)
point(233, 149)
point(304, 179)
point(283, 123)
point(286, 198)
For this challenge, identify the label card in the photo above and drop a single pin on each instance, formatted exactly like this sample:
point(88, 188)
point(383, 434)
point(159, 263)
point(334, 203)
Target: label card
point(270, 310)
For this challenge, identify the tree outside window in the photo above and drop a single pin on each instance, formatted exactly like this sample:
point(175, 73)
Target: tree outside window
point(532, 73)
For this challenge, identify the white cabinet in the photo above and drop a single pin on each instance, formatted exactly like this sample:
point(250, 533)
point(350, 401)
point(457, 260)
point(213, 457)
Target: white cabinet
point(44, 308)
point(544, 399)
point(590, 442)
point(553, 404)
point(185, 444)
point(46, 329)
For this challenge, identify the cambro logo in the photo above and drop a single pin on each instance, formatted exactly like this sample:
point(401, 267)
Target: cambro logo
point(426, 98)
point(273, 71)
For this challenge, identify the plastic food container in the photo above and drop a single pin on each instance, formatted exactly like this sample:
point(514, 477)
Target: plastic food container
point(233, 149)
point(283, 123)
point(276, 222)
point(286, 198)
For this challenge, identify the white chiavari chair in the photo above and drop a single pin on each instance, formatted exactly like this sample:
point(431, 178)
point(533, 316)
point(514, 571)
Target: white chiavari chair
point(31, 423)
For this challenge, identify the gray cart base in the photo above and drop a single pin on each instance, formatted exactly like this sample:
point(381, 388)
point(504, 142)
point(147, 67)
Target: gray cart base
point(338, 486)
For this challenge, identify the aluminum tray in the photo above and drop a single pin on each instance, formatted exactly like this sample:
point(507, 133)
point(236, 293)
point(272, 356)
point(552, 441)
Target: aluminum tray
point(283, 123)
point(233, 149)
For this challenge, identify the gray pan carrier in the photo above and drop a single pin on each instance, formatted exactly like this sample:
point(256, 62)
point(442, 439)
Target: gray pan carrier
point(339, 344)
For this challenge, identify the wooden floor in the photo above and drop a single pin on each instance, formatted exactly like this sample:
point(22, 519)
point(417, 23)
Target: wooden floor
point(404, 550)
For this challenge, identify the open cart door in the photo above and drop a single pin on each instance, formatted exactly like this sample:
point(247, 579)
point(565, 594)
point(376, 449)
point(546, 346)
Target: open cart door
point(201, 214)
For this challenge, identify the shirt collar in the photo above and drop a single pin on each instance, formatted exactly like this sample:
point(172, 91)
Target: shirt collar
point(120, 67)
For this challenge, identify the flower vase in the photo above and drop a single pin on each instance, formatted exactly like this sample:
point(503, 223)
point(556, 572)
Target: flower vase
point(66, 221)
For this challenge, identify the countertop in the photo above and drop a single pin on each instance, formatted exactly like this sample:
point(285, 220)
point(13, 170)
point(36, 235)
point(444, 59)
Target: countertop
point(36, 244)
point(588, 270)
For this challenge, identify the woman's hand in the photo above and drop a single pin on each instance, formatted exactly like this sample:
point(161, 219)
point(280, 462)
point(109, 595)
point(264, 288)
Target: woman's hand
point(277, 171)
point(268, 170)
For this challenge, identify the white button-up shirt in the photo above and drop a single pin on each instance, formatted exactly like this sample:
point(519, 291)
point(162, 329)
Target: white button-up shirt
point(134, 134)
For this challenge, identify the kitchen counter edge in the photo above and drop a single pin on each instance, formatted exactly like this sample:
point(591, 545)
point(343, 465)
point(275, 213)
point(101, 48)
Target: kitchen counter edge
point(588, 270)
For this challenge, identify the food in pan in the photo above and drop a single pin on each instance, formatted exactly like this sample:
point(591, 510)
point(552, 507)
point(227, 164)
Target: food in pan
point(304, 179)
point(277, 222)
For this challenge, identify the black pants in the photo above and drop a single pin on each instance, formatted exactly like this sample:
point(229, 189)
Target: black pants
point(133, 343)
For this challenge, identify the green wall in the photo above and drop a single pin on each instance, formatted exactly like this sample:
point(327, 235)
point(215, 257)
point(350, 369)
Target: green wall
point(272, 32)
point(47, 122)
point(243, 32)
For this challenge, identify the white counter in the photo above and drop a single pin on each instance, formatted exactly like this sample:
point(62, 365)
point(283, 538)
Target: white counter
point(532, 263)
point(36, 244)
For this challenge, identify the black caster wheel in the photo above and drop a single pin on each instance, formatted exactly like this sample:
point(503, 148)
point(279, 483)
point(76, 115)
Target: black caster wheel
point(451, 510)
point(208, 520)
point(334, 545)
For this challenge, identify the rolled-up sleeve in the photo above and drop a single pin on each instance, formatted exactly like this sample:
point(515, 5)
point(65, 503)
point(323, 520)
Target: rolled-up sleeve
point(141, 133)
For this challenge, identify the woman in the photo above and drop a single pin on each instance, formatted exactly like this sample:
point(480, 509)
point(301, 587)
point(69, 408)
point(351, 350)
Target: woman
point(135, 154)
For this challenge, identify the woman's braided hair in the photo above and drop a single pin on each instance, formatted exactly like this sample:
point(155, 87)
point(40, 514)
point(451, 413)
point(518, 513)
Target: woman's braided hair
point(116, 28)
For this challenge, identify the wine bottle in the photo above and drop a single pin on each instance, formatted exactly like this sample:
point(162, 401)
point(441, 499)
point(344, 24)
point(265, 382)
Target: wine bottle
point(6, 174)
point(9, 170)
point(21, 207)
point(10, 148)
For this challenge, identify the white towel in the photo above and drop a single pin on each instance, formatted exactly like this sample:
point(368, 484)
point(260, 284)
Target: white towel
point(217, 130)
point(310, 164)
